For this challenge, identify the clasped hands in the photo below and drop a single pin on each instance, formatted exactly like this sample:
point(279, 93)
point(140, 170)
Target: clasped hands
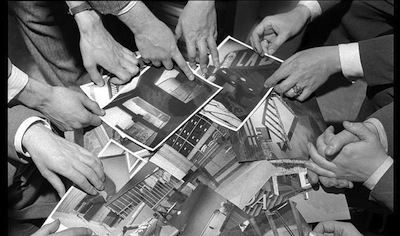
point(350, 156)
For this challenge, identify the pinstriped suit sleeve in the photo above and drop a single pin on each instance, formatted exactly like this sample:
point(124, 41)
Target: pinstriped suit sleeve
point(16, 115)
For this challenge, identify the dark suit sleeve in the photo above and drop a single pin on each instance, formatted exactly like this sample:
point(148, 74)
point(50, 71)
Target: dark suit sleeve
point(383, 190)
point(108, 7)
point(16, 115)
point(377, 60)
point(385, 116)
point(326, 5)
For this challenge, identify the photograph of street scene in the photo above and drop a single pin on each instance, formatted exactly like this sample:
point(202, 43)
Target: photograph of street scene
point(153, 106)
point(242, 76)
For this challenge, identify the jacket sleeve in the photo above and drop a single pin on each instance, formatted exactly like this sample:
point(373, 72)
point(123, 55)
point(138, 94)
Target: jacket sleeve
point(377, 60)
point(326, 5)
point(16, 115)
point(385, 116)
point(383, 190)
point(108, 7)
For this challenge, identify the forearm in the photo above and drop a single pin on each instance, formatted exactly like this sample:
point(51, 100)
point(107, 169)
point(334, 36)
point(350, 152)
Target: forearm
point(34, 94)
point(138, 18)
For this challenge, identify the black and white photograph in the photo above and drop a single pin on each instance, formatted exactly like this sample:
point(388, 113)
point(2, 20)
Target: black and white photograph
point(156, 104)
point(242, 76)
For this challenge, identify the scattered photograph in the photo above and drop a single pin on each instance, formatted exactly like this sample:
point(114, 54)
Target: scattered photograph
point(242, 76)
point(281, 220)
point(206, 213)
point(285, 135)
point(153, 106)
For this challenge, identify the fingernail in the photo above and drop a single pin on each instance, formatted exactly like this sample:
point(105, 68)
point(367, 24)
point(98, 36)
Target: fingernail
point(312, 234)
point(271, 51)
point(103, 112)
point(347, 123)
point(329, 150)
point(204, 70)
point(307, 164)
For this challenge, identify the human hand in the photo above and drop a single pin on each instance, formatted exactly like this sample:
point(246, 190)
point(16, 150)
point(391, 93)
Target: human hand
point(66, 108)
point(198, 26)
point(274, 30)
point(155, 41)
point(69, 109)
point(51, 229)
point(55, 156)
point(307, 70)
point(338, 228)
point(356, 161)
point(98, 47)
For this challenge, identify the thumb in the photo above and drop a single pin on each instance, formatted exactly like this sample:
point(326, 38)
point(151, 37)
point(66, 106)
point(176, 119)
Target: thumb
point(92, 106)
point(358, 129)
point(48, 229)
point(95, 76)
point(178, 31)
point(276, 44)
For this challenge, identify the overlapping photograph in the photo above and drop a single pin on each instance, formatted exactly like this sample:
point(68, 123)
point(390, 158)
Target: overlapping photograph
point(242, 76)
point(153, 106)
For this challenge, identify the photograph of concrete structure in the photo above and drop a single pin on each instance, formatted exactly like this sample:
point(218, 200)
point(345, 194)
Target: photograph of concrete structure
point(206, 213)
point(153, 106)
point(287, 139)
point(242, 76)
point(281, 220)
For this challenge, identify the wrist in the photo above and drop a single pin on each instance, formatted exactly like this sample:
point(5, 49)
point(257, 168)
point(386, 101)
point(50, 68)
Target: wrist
point(31, 136)
point(138, 18)
point(334, 59)
point(34, 94)
point(87, 20)
point(304, 14)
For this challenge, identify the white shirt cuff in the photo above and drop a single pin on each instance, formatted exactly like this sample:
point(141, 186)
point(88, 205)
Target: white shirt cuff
point(350, 61)
point(127, 8)
point(377, 175)
point(313, 6)
point(16, 82)
point(21, 131)
point(381, 131)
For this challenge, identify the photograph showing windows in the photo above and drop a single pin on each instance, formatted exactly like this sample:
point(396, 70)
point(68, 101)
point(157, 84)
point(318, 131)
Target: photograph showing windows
point(242, 76)
point(153, 106)
point(278, 129)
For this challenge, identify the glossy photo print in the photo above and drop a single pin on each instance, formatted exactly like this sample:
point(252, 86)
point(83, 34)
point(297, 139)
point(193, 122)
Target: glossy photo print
point(155, 104)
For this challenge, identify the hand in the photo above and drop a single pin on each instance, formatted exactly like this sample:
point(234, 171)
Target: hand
point(69, 109)
point(55, 156)
point(336, 227)
point(98, 47)
point(307, 69)
point(154, 39)
point(356, 161)
point(274, 30)
point(51, 229)
point(198, 26)
point(66, 108)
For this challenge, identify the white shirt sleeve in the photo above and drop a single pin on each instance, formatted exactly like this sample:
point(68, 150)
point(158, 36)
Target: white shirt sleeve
point(313, 6)
point(350, 61)
point(16, 82)
point(378, 174)
point(127, 8)
point(21, 131)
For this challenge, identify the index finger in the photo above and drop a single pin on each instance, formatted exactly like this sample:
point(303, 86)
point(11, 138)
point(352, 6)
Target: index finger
point(278, 75)
point(180, 61)
point(212, 45)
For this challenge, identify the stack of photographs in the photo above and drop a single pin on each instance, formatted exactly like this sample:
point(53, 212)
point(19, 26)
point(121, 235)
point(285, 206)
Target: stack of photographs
point(219, 155)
